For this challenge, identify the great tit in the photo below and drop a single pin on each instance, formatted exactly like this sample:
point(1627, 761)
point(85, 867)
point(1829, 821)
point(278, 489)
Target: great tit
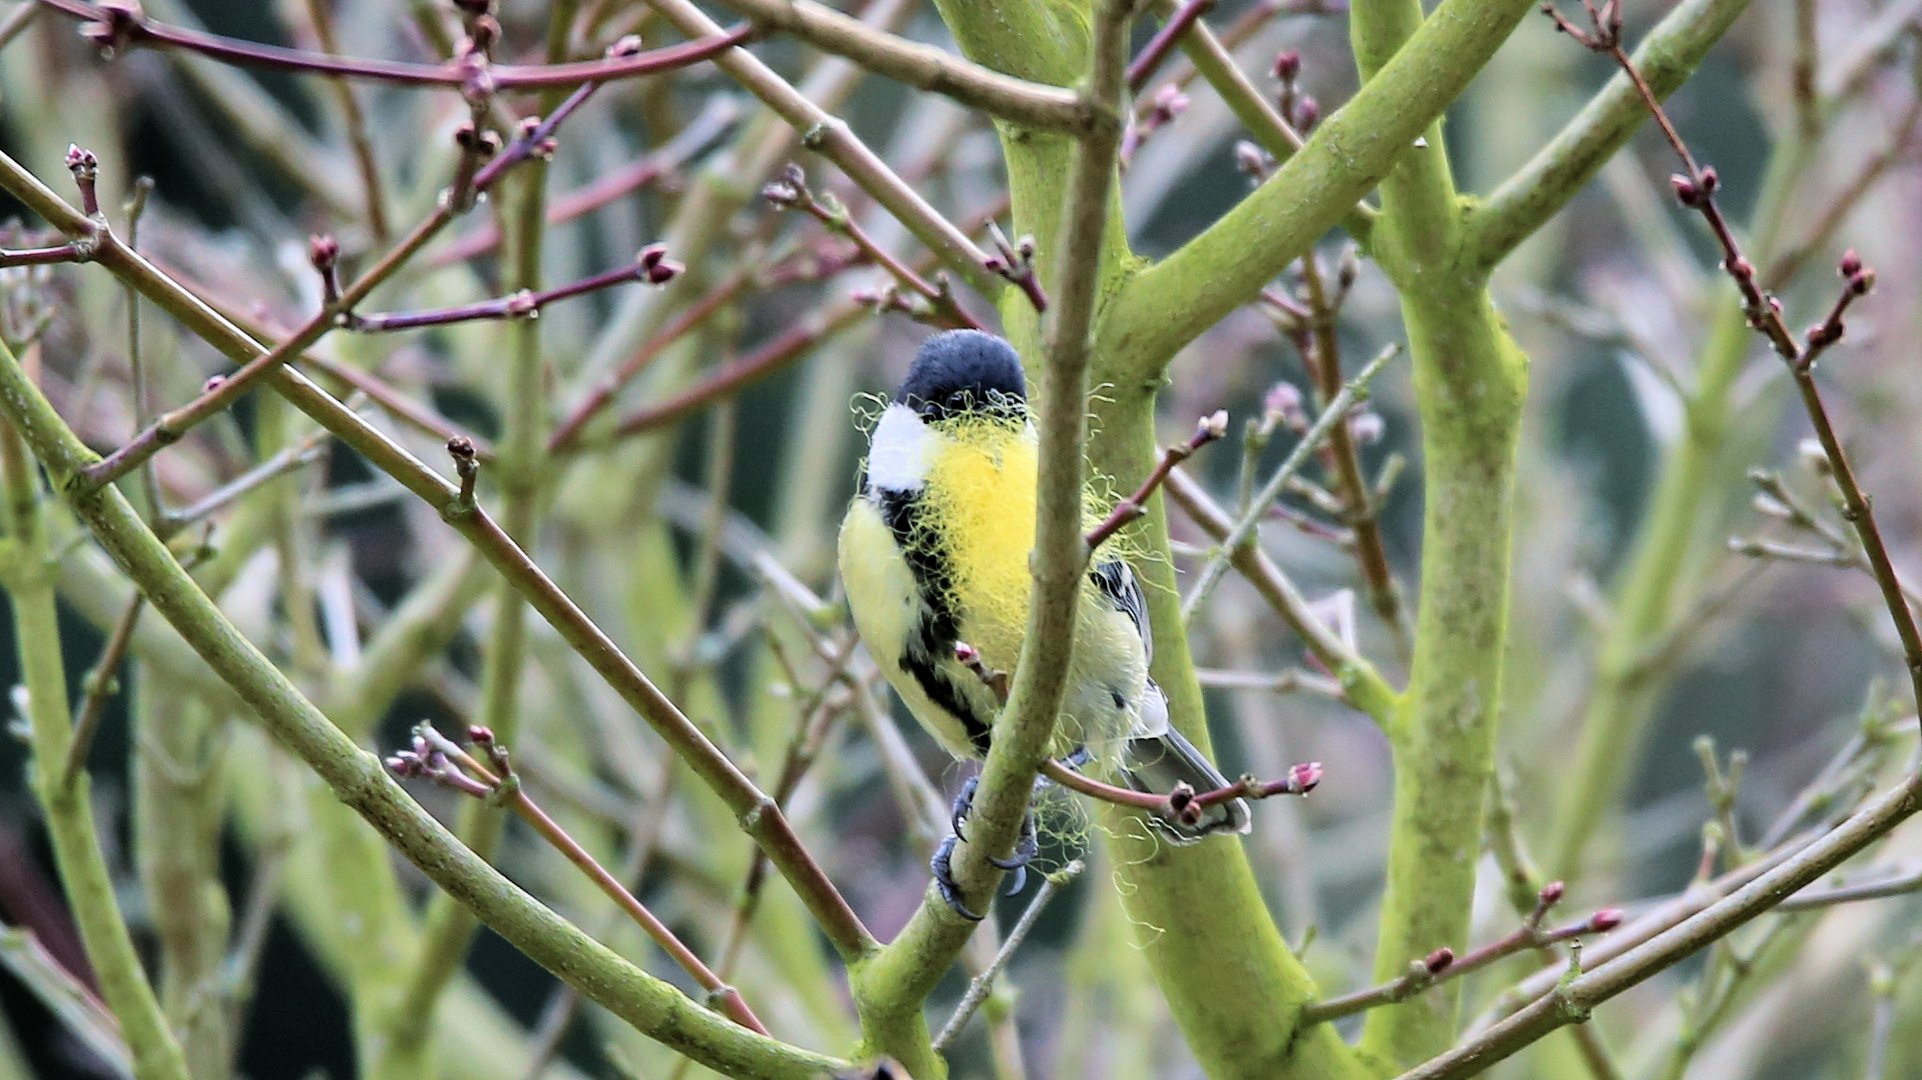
point(934, 552)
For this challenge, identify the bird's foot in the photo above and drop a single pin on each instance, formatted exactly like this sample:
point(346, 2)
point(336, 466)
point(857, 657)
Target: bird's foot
point(1025, 849)
point(944, 879)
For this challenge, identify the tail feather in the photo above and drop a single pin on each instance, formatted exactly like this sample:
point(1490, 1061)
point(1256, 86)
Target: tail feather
point(1156, 763)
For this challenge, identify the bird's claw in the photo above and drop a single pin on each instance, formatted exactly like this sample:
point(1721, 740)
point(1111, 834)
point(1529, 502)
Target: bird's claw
point(1025, 849)
point(944, 879)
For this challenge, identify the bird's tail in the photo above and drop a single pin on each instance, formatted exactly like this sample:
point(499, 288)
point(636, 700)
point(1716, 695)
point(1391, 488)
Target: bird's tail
point(1156, 763)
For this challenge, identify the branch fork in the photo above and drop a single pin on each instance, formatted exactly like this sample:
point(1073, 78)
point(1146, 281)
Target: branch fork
point(938, 305)
point(1015, 263)
point(1442, 964)
point(1207, 430)
point(435, 757)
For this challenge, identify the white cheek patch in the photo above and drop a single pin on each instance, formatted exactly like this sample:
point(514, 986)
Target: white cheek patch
point(899, 450)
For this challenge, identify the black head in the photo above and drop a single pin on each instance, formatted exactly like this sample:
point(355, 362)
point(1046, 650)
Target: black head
point(960, 371)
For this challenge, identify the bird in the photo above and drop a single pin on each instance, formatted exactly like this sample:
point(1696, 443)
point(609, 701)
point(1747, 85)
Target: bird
point(933, 554)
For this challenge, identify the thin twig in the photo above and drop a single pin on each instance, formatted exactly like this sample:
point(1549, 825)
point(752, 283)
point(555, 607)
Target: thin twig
point(651, 267)
point(1286, 682)
point(786, 349)
point(690, 318)
point(830, 136)
point(98, 688)
point(1207, 430)
point(320, 13)
point(44, 256)
point(791, 191)
point(436, 757)
point(983, 984)
point(115, 27)
point(1026, 103)
point(1352, 392)
point(1442, 964)
point(286, 460)
point(719, 115)
point(1320, 346)
point(1695, 189)
point(223, 391)
point(1363, 687)
point(1151, 56)
point(17, 21)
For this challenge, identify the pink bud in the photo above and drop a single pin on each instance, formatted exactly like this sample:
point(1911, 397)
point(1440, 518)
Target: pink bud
point(1287, 65)
point(1551, 893)
point(1439, 961)
point(1305, 777)
point(323, 251)
point(1307, 113)
point(1605, 920)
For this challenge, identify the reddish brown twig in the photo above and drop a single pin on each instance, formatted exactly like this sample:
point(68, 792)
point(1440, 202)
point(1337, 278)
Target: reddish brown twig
point(1696, 189)
point(1151, 56)
point(85, 168)
point(970, 658)
point(43, 256)
point(1184, 804)
point(791, 192)
point(438, 758)
point(221, 392)
point(1316, 337)
point(651, 266)
point(1207, 430)
point(1015, 262)
point(1442, 964)
point(761, 363)
point(115, 27)
point(621, 182)
point(695, 314)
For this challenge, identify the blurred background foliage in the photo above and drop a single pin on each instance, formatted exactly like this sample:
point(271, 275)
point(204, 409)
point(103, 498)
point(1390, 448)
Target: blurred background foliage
point(1611, 301)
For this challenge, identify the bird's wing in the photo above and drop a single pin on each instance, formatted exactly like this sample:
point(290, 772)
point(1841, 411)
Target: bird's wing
point(1117, 584)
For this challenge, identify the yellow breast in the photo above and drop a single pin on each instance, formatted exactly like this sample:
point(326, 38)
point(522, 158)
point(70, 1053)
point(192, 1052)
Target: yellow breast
point(980, 498)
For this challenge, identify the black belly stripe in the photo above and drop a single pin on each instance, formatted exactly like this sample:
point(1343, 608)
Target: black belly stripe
point(934, 638)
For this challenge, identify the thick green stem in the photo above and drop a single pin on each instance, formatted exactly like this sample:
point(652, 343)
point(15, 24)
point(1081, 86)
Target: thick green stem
point(76, 842)
point(1470, 385)
point(1249, 1031)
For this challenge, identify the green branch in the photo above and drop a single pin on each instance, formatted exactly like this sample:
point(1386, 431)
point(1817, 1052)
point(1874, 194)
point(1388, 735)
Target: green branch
point(1524, 202)
point(358, 779)
point(1163, 308)
point(69, 809)
point(1470, 384)
point(892, 987)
